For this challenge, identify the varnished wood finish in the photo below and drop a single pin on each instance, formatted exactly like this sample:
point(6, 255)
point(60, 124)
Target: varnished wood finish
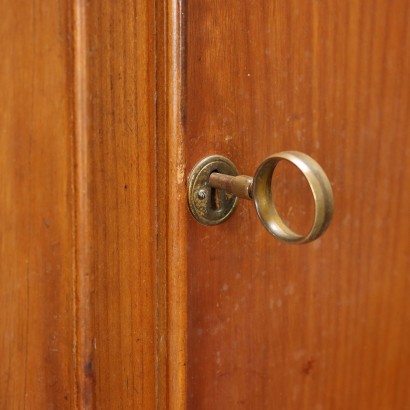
point(324, 325)
point(136, 204)
point(171, 205)
point(37, 365)
point(119, 199)
point(92, 211)
point(103, 107)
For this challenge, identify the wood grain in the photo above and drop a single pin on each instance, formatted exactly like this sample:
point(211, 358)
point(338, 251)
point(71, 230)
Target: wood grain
point(121, 189)
point(132, 193)
point(324, 325)
point(37, 365)
point(92, 206)
point(171, 204)
point(102, 105)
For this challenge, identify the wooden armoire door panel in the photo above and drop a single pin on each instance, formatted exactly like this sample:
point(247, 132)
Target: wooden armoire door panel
point(92, 211)
point(324, 325)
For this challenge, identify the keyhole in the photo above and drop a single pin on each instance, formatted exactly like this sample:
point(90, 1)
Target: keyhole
point(215, 198)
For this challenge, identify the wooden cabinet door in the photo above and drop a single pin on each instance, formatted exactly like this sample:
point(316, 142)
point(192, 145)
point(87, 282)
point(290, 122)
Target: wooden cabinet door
point(324, 325)
point(112, 295)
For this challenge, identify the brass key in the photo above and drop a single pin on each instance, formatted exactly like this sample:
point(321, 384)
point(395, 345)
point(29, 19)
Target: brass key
point(214, 187)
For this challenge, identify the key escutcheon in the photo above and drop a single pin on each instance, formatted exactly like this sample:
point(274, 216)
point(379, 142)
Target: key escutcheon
point(208, 205)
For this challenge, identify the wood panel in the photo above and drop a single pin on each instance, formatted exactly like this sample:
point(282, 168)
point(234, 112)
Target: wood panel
point(324, 325)
point(92, 208)
point(131, 195)
point(119, 201)
point(37, 365)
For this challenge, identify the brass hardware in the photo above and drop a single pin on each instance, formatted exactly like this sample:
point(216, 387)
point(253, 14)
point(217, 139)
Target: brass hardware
point(319, 185)
point(209, 205)
point(217, 176)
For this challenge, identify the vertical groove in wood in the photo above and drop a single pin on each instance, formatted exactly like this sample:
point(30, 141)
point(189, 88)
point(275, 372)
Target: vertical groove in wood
point(171, 197)
point(176, 248)
point(161, 204)
point(83, 268)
